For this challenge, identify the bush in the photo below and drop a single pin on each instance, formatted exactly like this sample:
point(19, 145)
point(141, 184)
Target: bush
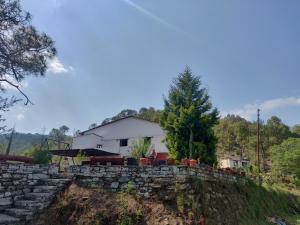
point(39, 155)
point(286, 159)
point(140, 148)
point(81, 156)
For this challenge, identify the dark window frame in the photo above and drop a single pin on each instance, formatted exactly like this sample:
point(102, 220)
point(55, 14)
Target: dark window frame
point(124, 142)
point(148, 139)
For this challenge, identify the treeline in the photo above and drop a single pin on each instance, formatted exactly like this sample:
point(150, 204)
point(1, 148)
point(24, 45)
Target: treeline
point(237, 135)
point(22, 142)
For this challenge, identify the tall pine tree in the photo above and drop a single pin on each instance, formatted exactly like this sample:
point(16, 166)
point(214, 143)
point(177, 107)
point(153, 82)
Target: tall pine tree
point(188, 118)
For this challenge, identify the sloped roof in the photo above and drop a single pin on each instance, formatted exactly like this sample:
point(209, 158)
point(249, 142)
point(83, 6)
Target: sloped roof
point(117, 120)
point(87, 152)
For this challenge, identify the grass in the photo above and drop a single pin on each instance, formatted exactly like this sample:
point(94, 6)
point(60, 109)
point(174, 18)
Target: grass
point(269, 200)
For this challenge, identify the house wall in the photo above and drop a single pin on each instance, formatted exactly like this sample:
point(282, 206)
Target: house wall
point(130, 128)
point(225, 163)
point(81, 142)
point(229, 163)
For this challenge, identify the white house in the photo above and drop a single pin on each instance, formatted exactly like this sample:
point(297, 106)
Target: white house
point(117, 136)
point(233, 162)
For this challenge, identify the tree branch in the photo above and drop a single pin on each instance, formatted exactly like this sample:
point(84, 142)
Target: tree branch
point(18, 88)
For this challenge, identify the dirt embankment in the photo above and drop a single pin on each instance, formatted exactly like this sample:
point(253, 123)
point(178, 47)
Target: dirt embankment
point(221, 204)
point(91, 206)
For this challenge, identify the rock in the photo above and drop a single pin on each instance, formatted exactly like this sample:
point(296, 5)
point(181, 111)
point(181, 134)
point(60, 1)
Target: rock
point(114, 185)
point(6, 219)
point(19, 212)
point(5, 203)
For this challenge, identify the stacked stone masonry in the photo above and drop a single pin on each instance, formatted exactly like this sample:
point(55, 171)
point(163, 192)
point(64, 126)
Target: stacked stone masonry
point(147, 181)
point(26, 190)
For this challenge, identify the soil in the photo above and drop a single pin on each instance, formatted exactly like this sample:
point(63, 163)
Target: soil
point(94, 206)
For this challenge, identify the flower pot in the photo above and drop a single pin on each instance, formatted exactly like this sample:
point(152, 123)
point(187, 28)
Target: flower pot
point(170, 162)
point(185, 162)
point(193, 163)
point(144, 162)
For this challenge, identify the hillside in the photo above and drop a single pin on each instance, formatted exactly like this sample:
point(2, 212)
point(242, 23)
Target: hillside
point(21, 141)
point(238, 204)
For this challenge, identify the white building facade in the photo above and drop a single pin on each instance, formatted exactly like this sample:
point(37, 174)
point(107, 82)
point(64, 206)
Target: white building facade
point(118, 136)
point(233, 162)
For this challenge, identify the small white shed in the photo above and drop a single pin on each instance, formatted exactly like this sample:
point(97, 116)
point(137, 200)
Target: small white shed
point(233, 162)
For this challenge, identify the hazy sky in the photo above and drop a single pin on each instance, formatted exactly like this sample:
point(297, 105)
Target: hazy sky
point(118, 54)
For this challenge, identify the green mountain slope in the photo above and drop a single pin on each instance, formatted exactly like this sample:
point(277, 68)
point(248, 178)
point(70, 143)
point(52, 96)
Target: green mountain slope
point(21, 141)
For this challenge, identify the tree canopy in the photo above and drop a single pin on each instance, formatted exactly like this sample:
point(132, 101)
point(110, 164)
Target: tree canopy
point(286, 158)
point(233, 135)
point(58, 137)
point(188, 118)
point(23, 50)
point(150, 114)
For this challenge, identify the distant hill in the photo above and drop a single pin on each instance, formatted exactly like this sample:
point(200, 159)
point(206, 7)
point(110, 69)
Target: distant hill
point(21, 141)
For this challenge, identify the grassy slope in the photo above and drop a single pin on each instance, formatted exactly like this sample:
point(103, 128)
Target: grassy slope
point(266, 200)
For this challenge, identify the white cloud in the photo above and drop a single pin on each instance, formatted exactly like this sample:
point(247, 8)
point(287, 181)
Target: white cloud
point(20, 116)
point(249, 111)
point(55, 66)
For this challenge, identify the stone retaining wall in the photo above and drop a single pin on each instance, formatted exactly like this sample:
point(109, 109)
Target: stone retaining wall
point(16, 179)
point(27, 189)
point(148, 181)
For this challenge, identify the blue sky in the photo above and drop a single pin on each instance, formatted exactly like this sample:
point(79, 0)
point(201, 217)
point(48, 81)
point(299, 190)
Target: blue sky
point(118, 54)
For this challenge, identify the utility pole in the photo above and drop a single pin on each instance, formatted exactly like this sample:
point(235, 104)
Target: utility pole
point(258, 140)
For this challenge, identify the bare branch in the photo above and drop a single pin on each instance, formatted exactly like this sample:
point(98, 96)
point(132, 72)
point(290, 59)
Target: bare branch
point(18, 88)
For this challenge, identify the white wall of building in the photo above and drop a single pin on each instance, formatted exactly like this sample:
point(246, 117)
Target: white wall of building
point(81, 142)
point(232, 163)
point(130, 128)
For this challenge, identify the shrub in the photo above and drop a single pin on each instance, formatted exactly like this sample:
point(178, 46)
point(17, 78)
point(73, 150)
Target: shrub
point(140, 148)
point(39, 155)
point(81, 156)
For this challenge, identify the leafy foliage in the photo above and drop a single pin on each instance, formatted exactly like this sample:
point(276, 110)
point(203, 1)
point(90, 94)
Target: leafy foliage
point(21, 141)
point(93, 125)
point(188, 118)
point(286, 158)
point(126, 217)
point(140, 148)
point(239, 136)
point(39, 155)
point(59, 137)
point(23, 50)
point(81, 156)
point(233, 135)
point(150, 114)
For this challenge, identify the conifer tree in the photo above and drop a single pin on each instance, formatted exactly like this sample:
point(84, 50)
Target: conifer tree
point(188, 118)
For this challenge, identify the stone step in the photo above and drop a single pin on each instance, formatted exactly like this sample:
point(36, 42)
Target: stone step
point(5, 203)
point(6, 219)
point(39, 196)
point(44, 188)
point(53, 182)
point(19, 213)
point(29, 204)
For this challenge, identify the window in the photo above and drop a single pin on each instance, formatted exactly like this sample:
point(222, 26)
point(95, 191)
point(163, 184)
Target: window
point(244, 164)
point(99, 146)
point(235, 163)
point(123, 142)
point(147, 140)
